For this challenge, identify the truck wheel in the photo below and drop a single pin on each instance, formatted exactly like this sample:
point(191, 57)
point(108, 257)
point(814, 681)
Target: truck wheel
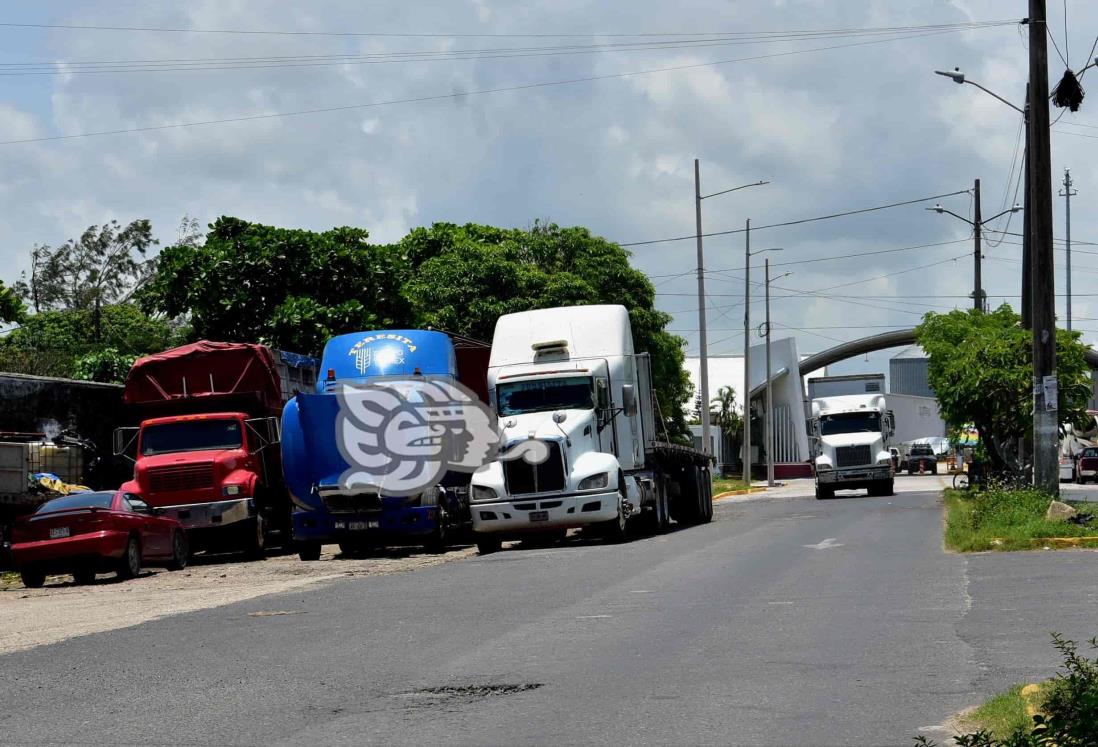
point(617, 530)
point(256, 548)
point(824, 493)
point(308, 550)
point(129, 566)
point(706, 480)
point(488, 544)
point(32, 578)
point(663, 507)
point(436, 543)
point(690, 504)
point(181, 553)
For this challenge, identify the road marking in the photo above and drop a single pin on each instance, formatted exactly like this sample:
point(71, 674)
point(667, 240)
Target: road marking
point(641, 591)
point(594, 617)
point(825, 545)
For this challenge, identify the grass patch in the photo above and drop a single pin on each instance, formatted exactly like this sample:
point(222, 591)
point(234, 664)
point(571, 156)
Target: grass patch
point(1003, 715)
point(1004, 520)
point(723, 485)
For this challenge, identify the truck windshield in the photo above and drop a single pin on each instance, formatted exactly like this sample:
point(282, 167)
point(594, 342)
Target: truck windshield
point(850, 422)
point(190, 435)
point(568, 393)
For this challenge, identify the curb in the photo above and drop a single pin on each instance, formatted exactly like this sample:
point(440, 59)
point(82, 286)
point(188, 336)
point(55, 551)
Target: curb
point(734, 493)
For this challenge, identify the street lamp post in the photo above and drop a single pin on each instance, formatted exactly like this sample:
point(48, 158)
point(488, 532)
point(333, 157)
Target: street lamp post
point(703, 373)
point(748, 254)
point(769, 384)
point(978, 294)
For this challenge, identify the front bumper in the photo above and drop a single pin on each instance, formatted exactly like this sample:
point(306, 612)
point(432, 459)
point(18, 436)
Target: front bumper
point(70, 551)
point(860, 475)
point(560, 512)
point(319, 525)
point(211, 515)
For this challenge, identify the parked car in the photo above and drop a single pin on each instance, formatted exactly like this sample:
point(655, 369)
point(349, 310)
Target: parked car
point(96, 532)
point(897, 462)
point(922, 454)
point(1086, 465)
point(1067, 467)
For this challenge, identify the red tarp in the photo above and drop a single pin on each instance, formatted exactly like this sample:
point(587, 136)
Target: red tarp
point(206, 376)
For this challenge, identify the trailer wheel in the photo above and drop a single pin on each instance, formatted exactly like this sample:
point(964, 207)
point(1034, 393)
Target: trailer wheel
point(692, 497)
point(308, 550)
point(436, 543)
point(663, 506)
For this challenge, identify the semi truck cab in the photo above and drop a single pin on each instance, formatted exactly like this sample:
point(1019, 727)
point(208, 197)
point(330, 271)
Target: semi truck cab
point(851, 434)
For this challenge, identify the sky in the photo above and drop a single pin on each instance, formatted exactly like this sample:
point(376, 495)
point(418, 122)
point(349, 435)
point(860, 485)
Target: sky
point(834, 123)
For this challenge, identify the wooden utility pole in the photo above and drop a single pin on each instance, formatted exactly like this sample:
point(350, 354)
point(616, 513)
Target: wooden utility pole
point(1046, 425)
point(703, 378)
point(747, 353)
point(977, 284)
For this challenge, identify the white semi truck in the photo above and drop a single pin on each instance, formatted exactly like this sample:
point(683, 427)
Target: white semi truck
point(851, 434)
point(569, 379)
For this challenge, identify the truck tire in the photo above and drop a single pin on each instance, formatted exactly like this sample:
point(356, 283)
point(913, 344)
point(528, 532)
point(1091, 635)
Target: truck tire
point(32, 578)
point(256, 538)
point(617, 530)
point(488, 544)
point(308, 551)
point(663, 506)
point(706, 495)
point(436, 542)
point(824, 492)
point(690, 508)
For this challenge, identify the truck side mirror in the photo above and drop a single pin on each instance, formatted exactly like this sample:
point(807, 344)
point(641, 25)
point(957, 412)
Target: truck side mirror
point(628, 399)
point(124, 441)
point(601, 398)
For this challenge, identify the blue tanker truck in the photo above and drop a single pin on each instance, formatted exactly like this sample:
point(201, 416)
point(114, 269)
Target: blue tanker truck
point(362, 518)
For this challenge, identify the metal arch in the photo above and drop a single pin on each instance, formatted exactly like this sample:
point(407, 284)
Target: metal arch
point(883, 341)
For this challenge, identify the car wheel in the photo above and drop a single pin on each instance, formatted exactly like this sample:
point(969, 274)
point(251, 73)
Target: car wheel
point(32, 578)
point(129, 566)
point(84, 576)
point(181, 553)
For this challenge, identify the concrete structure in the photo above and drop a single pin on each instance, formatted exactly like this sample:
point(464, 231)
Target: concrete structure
point(909, 373)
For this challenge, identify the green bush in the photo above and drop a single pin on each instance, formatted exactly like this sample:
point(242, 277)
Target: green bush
point(1069, 711)
point(1003, 519)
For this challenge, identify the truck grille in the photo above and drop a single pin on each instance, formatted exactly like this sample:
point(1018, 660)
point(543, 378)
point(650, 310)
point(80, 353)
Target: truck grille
point(351, 504)
point(523, 477)
point(181, 477)
point(853, 456)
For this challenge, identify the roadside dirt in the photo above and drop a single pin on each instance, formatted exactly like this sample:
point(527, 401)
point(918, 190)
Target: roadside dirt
point(61, 610)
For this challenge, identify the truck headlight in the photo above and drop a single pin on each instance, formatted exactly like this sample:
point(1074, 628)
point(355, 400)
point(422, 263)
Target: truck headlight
point(229, 490)
point(481, 493)
point(885, 460)
point(822, 466)
point(601, 480)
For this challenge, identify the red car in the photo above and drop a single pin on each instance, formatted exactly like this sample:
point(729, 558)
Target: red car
point(98, 532)
point(1086, 465)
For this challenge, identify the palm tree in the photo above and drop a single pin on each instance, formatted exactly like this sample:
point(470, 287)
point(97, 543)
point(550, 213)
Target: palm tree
point(722, 411)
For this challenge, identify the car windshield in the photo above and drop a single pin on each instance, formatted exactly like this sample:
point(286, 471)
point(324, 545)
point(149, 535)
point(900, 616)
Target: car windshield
point(77, 500)
point(190, 435)
point(567, 393)
point(850, 422)
point(922, 449)
point(1090, 452)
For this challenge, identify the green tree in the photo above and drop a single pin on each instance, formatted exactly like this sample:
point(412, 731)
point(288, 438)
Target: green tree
point(723, 411)
point(101, 267)
point(289, 288)
point(981, 369)
point(11, 307)
point(463, 278)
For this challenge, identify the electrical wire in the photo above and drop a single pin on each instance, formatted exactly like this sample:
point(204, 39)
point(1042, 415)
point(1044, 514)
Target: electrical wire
point(694, 236)
point(447, 96)
point(1057, 46)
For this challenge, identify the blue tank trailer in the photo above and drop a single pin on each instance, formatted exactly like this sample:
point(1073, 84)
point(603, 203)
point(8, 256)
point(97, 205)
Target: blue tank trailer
point(312, 462)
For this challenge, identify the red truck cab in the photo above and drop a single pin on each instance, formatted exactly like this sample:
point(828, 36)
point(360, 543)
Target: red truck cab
point(206, 451)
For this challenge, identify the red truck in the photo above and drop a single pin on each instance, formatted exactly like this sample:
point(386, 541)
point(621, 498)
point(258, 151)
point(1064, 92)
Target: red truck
point(206, 451)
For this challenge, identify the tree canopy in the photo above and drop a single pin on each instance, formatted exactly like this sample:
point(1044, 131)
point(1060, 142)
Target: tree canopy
point(11, 307)
point(981, 369)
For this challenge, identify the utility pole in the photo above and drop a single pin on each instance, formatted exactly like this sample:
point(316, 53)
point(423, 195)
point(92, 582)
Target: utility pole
point(769, 391)
point(747, 353)
point(1067, 193)
point(704, 374)
point(1042, 278)
point(977, 283)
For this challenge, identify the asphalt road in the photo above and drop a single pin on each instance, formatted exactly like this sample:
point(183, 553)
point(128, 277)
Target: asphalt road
point(785, 621)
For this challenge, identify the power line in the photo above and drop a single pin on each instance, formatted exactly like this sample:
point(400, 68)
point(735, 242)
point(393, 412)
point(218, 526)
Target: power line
point(965, 26)
point(447, 96)
point(692, 237)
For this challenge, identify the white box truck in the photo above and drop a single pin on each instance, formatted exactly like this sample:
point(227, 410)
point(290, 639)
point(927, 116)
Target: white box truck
point(851, 435)
point(569, 378)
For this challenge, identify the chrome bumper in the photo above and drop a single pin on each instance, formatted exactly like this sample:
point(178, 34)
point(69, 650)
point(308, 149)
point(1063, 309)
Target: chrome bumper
point(211, 515)
point(854, 474)
point(552, 512)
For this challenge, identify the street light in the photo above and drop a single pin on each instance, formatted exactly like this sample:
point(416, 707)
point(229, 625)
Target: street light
point(978, 294)
point(959, 78)
point(769, 384)
point(702, 337)
point(748, 254)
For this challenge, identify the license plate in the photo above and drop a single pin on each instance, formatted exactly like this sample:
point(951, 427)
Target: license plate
point(539, 516)
point(361, 526)
point(59, 532)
